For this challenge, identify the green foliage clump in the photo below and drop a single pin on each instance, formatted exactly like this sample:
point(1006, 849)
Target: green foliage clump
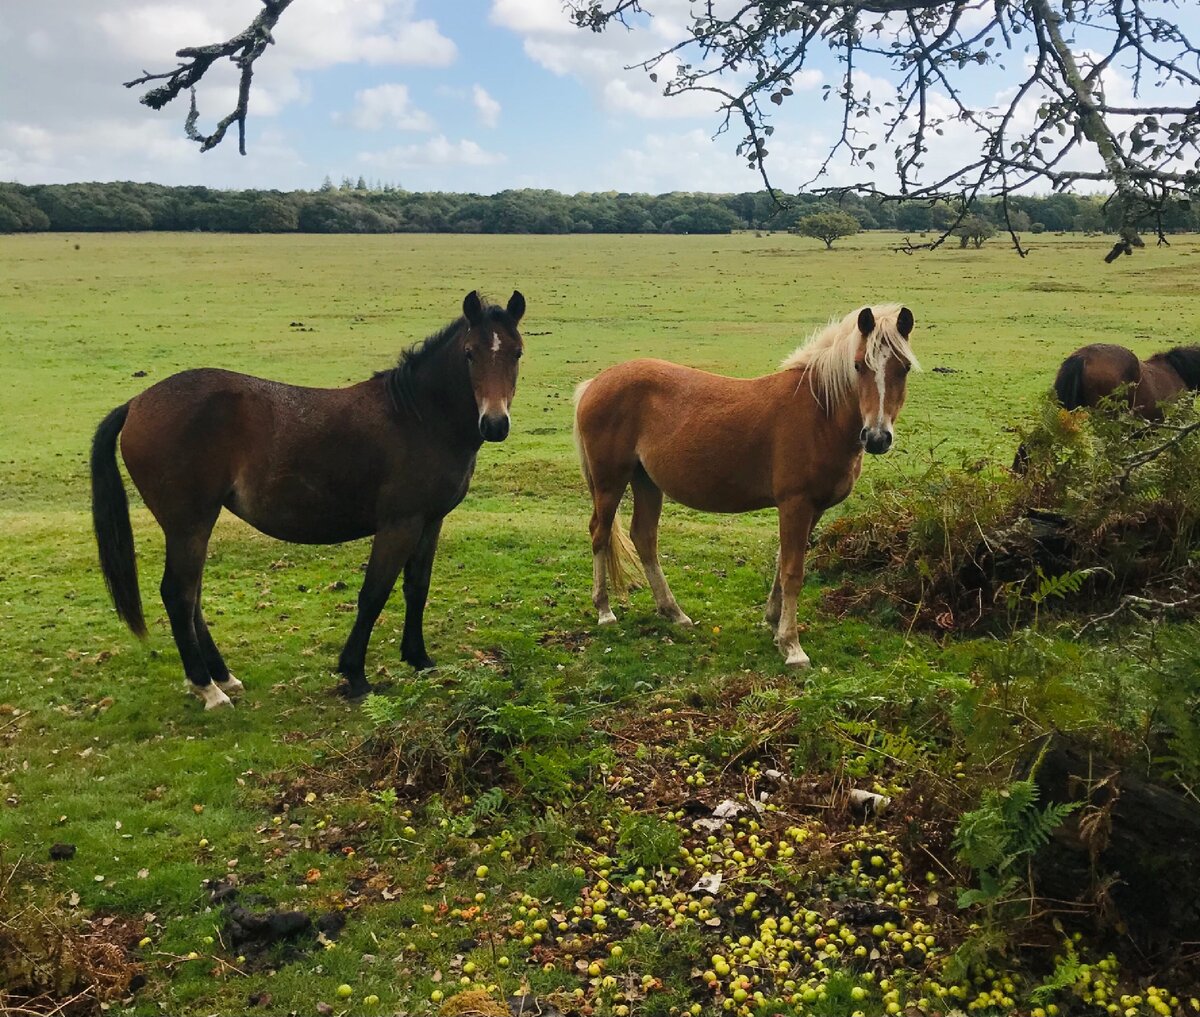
point(648, 841)
point(996, 838)
point(471, 725)
point(1105, 506)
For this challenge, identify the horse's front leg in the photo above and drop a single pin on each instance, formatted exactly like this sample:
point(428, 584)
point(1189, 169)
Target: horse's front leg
point(795, 524)
point(416, 590)
point(392, 547)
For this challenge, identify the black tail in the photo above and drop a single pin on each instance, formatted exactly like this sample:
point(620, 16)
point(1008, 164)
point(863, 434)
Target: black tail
point(1068, 385)
point(110, 518)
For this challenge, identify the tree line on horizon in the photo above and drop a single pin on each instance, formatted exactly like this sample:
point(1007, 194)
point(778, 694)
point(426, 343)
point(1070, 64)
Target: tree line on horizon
point(360, 208)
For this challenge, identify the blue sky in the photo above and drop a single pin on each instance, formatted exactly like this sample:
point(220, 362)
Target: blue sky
point(462, 95)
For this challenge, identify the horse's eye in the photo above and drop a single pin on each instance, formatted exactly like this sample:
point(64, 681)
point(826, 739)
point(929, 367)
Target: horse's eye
point(520, 353)
point(907, 368)
point(858, 366)
point(470, 353)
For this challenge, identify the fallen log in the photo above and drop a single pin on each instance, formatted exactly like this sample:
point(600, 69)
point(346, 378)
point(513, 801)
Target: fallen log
point(1131, 851)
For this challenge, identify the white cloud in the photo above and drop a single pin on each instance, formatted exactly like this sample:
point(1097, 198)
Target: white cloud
point(540, 16)
point(437, 151)
point(386, 106)
point(487, 107)
point(664, 161)
point(608, 63)
point(313, 34)
point(322, 33)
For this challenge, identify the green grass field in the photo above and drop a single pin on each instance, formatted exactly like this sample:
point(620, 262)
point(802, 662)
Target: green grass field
point(102, 748)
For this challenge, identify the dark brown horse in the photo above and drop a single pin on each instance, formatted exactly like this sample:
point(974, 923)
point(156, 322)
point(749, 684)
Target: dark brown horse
point(793, 440)
point(389, 456)
point(1097, 371)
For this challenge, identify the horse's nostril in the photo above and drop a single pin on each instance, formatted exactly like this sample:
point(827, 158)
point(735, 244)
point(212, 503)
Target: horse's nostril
point(862, 436)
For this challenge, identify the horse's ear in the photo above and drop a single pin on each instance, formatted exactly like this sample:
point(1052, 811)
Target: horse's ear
point(473, 308)
point(904, 322)
point(516, 307)
point(866, 321)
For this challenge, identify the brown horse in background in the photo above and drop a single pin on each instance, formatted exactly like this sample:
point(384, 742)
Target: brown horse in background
point(389, 456)
point(793, 440)
point(1096, 372)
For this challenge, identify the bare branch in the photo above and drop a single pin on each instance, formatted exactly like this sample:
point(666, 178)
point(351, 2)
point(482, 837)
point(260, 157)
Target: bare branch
point(243, 50)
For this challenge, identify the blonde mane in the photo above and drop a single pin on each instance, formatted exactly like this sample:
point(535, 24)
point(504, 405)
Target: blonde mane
point(828, 355)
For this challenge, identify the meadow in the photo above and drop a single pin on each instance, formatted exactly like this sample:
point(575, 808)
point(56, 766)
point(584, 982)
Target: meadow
point(375, 813)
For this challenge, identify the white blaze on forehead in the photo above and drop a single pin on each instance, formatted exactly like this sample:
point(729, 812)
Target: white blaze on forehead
point(881, 384)
point(495, 342)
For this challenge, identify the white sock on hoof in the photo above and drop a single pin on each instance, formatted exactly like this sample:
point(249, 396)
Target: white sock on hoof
point(607, 618)
point(231, 684)
point(214, 698)
point(798, 658)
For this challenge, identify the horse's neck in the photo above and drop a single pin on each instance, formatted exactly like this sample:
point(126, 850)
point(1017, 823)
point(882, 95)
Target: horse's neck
point(800, 394)
point(444, 400)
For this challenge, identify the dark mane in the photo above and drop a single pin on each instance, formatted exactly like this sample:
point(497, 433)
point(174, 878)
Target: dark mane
point(1185, 361)
point(401, 380)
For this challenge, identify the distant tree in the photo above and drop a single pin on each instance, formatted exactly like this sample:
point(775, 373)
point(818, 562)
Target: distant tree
point(19, 213)
point(1018, 219)
point(828, 226)
point(272, 213)
point(1089, 219)
point(974, 229)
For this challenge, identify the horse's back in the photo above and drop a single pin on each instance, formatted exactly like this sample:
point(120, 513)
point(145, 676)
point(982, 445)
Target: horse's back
point(704, 439)
point(264, 449)
point(1094, 372)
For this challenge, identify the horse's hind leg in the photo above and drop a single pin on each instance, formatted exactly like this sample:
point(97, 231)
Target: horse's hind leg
point(389, 552)
point(604, 511)
point(643, 529)
point(416, 590)
point(180, 590)
point(217, 669)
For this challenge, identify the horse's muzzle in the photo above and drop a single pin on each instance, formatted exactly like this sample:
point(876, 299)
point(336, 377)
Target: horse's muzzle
point(875, 442)
point(494, 428)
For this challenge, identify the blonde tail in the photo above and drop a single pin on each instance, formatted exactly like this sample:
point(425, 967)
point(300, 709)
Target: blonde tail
point(621, 558)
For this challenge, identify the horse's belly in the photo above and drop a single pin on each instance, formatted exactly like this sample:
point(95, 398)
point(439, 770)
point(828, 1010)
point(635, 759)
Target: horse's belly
point(708, 485)
point(302, 520)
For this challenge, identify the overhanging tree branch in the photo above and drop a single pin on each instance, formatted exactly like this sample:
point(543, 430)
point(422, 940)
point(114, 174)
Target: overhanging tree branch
point(243, 49)
point(1055, 110)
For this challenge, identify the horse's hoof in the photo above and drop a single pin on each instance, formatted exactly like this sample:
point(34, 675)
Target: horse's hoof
point(213, 697)
point(421, 663)
point(354, 692)
point(677, 617)
point(230, 686)
point(608, 618)
point(798, 660)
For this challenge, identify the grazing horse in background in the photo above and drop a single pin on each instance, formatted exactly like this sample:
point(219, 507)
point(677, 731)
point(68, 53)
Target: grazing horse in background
point(389, 456)
point(793, 440)
point(1097, 371)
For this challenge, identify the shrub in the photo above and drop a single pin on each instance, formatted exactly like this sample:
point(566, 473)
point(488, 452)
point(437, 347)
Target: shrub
point(1107, 510)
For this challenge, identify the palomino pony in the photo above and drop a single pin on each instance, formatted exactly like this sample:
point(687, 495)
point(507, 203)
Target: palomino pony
point(1097, 371)
point(793, 440)
point(389, 456)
